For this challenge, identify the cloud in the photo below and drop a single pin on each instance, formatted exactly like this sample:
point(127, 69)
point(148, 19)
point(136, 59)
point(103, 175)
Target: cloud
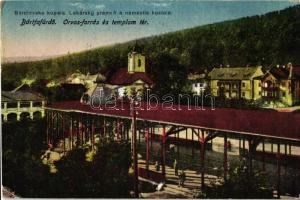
point(89, 5)
point(100, 6)
point(157, 3)
point(77, 4)
point(160, 4)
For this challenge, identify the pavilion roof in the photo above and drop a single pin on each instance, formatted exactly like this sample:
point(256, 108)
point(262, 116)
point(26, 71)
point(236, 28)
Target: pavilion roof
point(21, 96)
point(269, 123)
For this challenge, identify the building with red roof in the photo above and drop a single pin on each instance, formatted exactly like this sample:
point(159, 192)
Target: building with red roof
point(120, 82)
point(282, 84)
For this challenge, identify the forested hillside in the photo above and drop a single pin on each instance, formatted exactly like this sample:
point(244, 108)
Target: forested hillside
point(270, 39)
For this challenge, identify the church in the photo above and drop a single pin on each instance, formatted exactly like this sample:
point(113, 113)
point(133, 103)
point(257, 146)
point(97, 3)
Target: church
point(120, 82)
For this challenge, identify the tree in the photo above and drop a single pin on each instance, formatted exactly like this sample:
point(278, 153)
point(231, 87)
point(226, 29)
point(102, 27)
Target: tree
point(23, 170)
point(241, 185)
point(106, 175)
point(169, 76)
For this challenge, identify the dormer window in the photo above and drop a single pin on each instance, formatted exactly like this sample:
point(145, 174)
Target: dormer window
point(247, 74)
point(233, 74)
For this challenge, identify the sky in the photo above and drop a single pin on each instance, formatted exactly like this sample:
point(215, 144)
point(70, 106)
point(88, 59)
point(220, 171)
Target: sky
point(58, 39)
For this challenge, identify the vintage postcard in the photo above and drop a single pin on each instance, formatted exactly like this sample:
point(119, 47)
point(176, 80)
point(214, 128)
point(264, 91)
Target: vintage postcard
point(150, 99)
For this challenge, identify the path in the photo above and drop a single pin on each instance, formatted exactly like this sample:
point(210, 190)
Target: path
point(171, 189)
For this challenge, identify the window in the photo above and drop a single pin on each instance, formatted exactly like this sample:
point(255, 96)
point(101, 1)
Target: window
point(12, 105)
point(37, 104)
point(259, 93)
point(139, 63)
point(24, 104)
point(243, 94)
point(283, 94)
point(243, 84)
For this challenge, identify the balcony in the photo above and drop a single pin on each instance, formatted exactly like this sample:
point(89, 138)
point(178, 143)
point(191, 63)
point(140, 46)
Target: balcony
point(270, 88)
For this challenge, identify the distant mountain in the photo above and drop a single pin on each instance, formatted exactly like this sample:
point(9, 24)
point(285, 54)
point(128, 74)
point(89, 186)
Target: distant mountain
point(18, 59)
point(267, 40)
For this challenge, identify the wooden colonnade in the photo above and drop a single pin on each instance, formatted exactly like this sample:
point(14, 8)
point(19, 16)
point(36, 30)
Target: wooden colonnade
point(80, 129)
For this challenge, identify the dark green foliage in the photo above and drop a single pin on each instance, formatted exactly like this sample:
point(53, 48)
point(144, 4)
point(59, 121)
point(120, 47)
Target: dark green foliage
point(169, 76)
point(240, 185)
point(60, 92)
point(266, 40)
point(105, 176)
point(25, 174)
point(23, 170)
point(111, 165)
point(223, 102)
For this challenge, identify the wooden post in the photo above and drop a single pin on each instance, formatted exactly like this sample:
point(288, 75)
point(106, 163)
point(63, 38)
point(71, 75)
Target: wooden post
point(57, 127)
point(63, 131)
point(272, 147)
point(250, 147)
point(225, 156)
point(79, 130)
point(285, 149)
point(83, 129)
point(71, 133)
point(104, 126)
point(290, 149)
point(263, 158)
point(52, 128)
point(134, 150)
point(178, 147)
point(121, 130)
point(240, 144)
point(47, 126)
point(117, 129)
point(202, 157)
point(139, 134)
point(186, 136)
point(164, 152)
point(192, 143)
point(278, 170)
point(244, 146)
point(152, 134)
point(127, 133)
point(147, 149)
point(93, 134)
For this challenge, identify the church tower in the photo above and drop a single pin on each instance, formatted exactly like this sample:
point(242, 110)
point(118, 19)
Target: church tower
point(136, 63)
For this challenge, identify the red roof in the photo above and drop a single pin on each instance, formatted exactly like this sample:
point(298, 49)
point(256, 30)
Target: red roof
point(296, 71)
point(280, 73)
point(269, 123)
point(122, 77)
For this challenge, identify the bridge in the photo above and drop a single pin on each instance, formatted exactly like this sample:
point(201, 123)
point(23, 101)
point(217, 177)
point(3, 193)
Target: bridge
point(79, 123)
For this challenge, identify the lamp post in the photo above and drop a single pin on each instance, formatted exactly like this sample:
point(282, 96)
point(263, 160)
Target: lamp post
point(134, 149)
